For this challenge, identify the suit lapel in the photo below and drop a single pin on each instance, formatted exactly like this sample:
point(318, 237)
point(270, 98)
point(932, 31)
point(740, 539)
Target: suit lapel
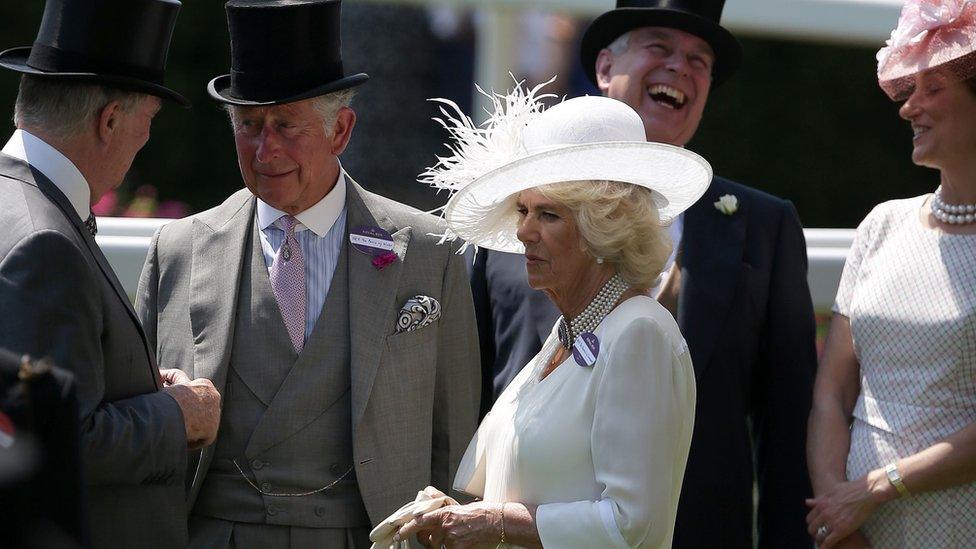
point(372, 295)
point(217, 260)
point(712, 248)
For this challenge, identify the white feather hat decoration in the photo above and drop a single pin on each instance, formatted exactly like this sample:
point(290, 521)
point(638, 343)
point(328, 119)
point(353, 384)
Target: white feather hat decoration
point(523, 145)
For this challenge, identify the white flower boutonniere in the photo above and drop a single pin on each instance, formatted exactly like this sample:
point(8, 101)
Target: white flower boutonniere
point(727, 204)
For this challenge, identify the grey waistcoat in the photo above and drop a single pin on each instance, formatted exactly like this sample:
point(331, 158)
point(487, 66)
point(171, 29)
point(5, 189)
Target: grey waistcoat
point(265, 375)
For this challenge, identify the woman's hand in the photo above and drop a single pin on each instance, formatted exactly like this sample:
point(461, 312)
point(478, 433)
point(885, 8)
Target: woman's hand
point(476, 524)
point(853, 541)
point(845, 507)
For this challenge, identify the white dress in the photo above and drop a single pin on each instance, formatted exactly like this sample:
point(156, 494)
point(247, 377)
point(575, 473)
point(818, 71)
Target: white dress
point(600, 449)
point(910, 294)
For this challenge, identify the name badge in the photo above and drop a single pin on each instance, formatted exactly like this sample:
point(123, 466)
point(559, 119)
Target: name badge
point(586, 349)
point(372, 241)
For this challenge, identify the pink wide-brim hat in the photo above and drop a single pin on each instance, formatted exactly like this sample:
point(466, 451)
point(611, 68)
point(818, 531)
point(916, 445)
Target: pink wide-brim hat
point(930, 34)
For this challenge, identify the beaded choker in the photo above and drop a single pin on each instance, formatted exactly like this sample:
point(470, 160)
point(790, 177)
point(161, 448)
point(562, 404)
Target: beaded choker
point(953, 214)
point(594, 313)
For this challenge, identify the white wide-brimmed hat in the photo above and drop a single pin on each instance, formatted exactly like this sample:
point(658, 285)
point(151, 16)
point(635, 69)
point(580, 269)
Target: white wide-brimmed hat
point(523, 146)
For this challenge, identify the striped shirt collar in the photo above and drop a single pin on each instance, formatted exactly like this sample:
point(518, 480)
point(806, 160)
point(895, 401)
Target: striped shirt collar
point(319, 218)
point(55, 166)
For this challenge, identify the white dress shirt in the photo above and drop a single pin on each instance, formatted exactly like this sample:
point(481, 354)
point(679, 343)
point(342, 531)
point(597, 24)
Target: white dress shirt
point(55, 166)
point(675, 231)
point(319, 231)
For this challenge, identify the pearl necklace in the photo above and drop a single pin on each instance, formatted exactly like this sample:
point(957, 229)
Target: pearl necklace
point(953, 214)
point(594, 313)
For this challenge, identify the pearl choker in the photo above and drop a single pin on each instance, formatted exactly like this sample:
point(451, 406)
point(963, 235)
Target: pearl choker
point(594, 313)
point(953, 214)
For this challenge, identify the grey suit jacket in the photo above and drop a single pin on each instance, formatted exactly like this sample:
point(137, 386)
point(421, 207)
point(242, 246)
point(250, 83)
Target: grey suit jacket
point(60, 298)
point(414, 395)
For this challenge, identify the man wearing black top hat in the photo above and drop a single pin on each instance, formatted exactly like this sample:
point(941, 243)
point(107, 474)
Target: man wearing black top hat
point(737, 287)
point(340, 334)
point(91, 84)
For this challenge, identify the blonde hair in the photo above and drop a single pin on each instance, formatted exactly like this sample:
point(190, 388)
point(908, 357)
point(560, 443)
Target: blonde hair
point(618, 222)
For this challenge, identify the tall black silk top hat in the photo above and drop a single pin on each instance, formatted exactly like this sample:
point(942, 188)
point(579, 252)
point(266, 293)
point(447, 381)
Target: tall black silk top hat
point(117, 43)
point(282, 51)
point(698, 17)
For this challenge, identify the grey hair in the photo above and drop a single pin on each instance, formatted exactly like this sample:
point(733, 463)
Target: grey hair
point(64, 109)
point(326, 106)
point(620, 45)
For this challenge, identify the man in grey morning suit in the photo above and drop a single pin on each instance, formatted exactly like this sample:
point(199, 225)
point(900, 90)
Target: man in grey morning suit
point(337, 407)
point(92, 83)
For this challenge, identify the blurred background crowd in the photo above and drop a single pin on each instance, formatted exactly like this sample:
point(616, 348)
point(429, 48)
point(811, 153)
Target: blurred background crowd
point(810, 122)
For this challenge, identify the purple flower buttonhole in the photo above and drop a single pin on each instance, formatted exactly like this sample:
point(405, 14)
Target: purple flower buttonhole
point(381, 261)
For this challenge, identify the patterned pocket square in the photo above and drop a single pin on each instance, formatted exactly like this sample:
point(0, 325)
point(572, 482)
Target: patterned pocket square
point(417, 312)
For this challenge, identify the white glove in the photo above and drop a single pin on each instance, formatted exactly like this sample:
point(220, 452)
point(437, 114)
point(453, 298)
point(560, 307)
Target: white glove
point(428, 499)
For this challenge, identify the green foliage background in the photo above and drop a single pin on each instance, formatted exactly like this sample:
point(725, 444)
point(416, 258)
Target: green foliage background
point(800, 120)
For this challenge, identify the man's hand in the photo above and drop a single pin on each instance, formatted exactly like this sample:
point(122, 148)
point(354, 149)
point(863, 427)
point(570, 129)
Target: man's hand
point(200, 403)
point(173, 376)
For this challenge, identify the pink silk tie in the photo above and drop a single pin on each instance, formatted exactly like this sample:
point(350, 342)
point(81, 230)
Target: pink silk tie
point(288, 282)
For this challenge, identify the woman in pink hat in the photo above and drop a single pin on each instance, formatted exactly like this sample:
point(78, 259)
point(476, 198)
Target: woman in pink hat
point(892, 440)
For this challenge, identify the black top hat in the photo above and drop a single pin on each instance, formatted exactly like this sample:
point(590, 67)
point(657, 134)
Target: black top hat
point(282, 51)
point(698, 17)
point(119, 43)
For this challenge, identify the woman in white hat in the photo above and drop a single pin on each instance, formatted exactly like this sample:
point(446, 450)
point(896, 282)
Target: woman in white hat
point(892, 439)
point(587, 446)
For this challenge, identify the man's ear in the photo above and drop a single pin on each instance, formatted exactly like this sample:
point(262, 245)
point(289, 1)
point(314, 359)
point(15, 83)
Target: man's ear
point(342, 130)
point(108, 121)
point(604, 60)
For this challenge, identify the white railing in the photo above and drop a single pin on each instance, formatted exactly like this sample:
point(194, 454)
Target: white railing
point(125, 242)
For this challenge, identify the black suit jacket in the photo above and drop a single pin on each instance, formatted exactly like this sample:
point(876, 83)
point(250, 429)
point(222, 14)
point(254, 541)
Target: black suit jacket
point(745, 310)
point(59, 298)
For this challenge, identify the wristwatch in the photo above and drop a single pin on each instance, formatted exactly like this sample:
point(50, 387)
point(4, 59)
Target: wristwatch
point(894, 477)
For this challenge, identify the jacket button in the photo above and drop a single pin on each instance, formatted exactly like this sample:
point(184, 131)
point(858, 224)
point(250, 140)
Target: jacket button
point(319, 510)
point(257, 464)
point(265, 486)
point(272, 510)
point(334, 468)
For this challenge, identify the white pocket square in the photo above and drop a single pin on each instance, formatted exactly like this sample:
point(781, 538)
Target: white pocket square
point(417, 312)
